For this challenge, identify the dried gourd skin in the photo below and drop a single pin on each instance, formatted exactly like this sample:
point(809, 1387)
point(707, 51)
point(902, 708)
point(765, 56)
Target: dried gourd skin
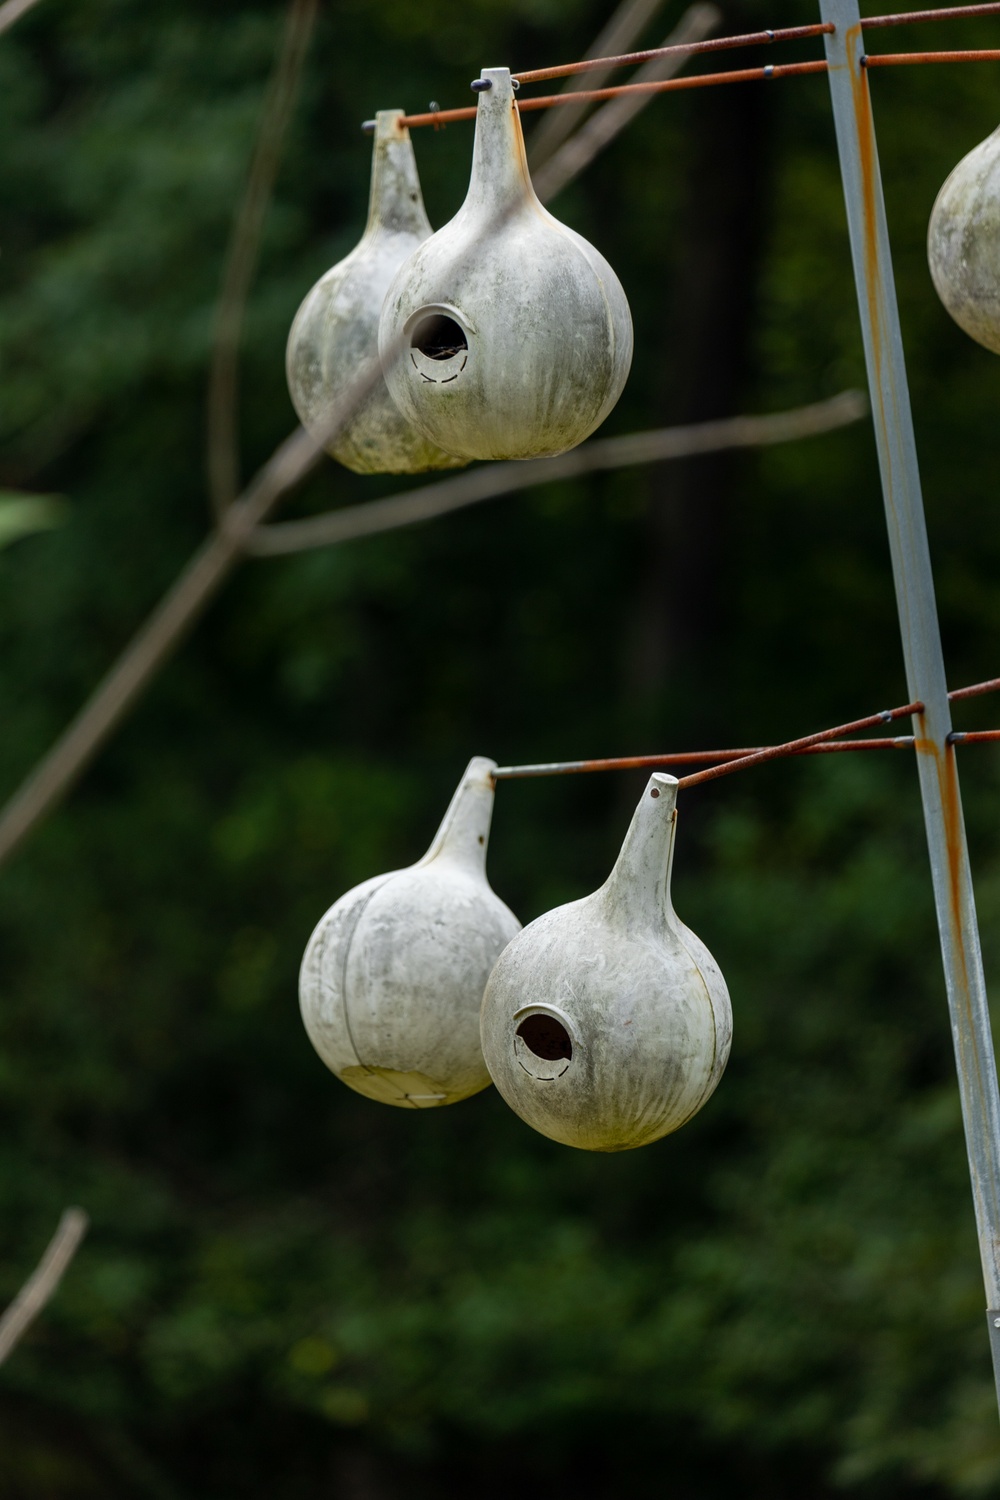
point(334, 336)
point(516, 334)
point(606, 1023)
point(963, 243)
point(393, 975)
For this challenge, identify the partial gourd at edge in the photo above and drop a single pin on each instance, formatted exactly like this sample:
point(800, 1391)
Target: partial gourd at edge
point(505, 335)
point(606, 1023)
point(963, 243)
point(334, 336)
point(393, 976)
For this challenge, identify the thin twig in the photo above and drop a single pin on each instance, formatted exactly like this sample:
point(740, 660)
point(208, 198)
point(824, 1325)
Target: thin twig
point(41, 1285)
point(625, 26)
point(12, 12)
point(241, 259)
point(507, 478)
point(600, 130)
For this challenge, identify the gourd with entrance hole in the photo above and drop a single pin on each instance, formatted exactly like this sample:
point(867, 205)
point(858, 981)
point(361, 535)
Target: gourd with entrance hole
point(606, 1023)
point(963, 243)
point(393, 976)
point(334, 337)
point(505, 335)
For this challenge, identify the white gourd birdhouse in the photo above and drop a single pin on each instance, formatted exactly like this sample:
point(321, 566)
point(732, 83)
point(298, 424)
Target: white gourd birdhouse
point(606, 1023)
point(334, 336)
point(505, 335)
point(392, 978)
point(963, 243)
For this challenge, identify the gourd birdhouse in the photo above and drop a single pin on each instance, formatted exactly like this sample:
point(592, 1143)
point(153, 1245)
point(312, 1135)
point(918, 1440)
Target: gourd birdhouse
point(334, 337)
point(963, 243)
point(393, 976)
point(606, 1023)
point(505, 335)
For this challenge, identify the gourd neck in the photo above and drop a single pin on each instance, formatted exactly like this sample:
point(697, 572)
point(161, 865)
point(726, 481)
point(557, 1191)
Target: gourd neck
point(395, 203)
point(500, 181)
point(637, 892)
point(465, 827)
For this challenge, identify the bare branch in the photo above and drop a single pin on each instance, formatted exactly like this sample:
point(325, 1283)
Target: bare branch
point(12, 12)
point(618, 36)
point(601, 128)
point(153, 643)
point(41, 1286)
point(507, 478)
point(241, 260)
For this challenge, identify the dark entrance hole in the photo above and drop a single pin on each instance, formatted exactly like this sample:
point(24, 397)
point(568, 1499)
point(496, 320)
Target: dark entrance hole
point(547, 1037)
point(438, 337)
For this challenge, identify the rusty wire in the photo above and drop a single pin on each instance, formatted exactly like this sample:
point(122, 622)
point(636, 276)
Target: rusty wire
point(714, 44)
point(826, 742)
point(740, 75)
point(901, 59)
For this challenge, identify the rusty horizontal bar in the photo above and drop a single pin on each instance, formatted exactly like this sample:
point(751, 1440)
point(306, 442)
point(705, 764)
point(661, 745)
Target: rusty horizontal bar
point(792, 747)
point(946, 13)
point(714, 44)
point(591, 96)
point(811, 745)
point(976, 690)
point(688, 758)
point(904, 59)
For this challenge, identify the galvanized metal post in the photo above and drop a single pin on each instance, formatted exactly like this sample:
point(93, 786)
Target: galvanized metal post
point(897, 454)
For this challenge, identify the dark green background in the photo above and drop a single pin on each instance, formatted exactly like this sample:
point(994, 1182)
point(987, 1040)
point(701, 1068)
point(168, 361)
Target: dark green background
point(290, 1291)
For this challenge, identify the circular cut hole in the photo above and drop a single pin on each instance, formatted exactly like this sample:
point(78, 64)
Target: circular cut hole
point(438, 337)
point(546, 1037)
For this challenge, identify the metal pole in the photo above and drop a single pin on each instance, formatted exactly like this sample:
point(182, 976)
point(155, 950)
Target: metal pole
point(897, 454)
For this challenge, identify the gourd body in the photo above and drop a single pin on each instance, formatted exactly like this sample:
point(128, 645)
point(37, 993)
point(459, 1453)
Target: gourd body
point(963, 243)
point(393, 976)
point(505, 335)
point(334, 337)
point(606, 1023)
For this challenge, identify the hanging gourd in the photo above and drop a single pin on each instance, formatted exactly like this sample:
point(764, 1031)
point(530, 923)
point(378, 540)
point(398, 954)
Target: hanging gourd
point(505, 335)
point(393, 976)
point(963, 243)
point(606, 1023)
point(334, 337)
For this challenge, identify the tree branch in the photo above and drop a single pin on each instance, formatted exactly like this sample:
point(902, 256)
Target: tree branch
point(12, 12)
point(617, 37)
point(600, 129)
point(41, 1286)
point(507, 478)
point(241, 260)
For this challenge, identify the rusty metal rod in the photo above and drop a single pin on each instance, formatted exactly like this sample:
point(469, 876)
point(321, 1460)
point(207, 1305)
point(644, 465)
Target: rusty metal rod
point(692, 757)
point(703, 80)
point(715, 44)
point(592, 96)
point(946, 13)
point(793, 747)
point(749, 39)
point(920, 632)
point(809, 746)
point(902, 59)
point(976, 690)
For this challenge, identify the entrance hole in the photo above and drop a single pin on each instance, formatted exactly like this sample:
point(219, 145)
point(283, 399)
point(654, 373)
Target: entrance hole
point(546, 1037)
point(439, 337)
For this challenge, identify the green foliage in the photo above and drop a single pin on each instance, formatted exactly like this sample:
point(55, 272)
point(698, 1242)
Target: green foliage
point(287, 1289)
